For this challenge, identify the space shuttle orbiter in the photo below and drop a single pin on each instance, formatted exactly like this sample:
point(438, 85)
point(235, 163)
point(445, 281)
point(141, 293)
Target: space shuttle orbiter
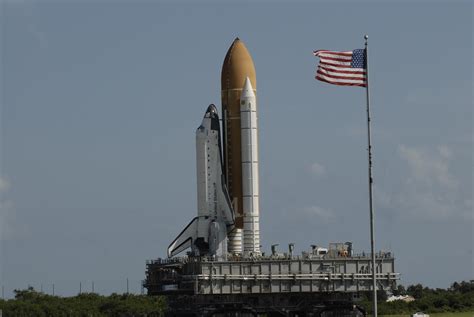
point(206, 234)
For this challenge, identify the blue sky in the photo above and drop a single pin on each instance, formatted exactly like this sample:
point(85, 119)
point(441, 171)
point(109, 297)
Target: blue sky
point(101, 99)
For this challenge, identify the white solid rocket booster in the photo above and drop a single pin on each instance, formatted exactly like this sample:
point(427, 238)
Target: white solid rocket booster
point(250, 188)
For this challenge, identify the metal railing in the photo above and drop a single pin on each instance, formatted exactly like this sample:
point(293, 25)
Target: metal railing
point(278, 257)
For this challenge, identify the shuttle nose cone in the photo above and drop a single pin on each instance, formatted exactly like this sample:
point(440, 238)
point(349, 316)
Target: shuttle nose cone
point(211, 109)
point(211, 113)
point(237, 66)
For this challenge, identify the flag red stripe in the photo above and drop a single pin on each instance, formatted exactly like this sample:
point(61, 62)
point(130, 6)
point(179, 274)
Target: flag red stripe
point(337, 64)
point(341, 77)
point(316, 53)
point(336, 78)
point(323, 55)
point(339, 83)
point(335, 59)
point(355, 71)
point(341, 68)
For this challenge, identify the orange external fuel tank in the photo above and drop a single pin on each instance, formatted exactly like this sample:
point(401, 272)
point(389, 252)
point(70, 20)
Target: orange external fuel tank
point(237, 66)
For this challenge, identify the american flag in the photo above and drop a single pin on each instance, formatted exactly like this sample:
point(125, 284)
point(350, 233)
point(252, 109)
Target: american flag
point(342, 68)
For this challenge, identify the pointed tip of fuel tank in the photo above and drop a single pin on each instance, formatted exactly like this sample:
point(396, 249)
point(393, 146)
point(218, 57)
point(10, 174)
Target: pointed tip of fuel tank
point(237, 66)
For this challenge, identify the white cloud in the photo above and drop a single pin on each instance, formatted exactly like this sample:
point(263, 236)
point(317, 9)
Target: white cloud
point(4, 185)
point(6, 215)
point(429, 189)
point(5, 207)
point(445, 152)
point(8, 226)
point(429, 168)
point(469, 209)
point(30, 19)
point(319, 213)
point(382, 197)
point(317, 169)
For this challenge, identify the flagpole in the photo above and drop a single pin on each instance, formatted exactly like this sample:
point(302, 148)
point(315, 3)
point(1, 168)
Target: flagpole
point(372, 238)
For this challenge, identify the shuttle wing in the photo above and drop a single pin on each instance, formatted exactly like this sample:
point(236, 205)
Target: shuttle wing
point(185, 239)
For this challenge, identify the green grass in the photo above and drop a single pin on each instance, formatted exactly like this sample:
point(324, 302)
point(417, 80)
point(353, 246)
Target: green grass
point(461, 314)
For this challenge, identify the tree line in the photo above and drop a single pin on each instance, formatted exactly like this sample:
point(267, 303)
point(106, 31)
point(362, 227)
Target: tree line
point(459, 297)
point(29, 302)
